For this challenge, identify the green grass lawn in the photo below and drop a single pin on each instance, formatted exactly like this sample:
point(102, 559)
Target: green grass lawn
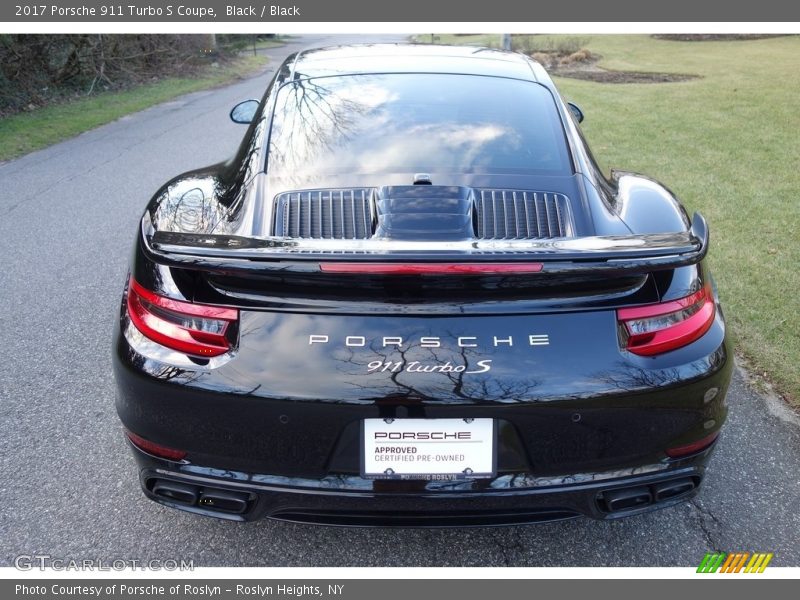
point(729, 145)
point(26, 132)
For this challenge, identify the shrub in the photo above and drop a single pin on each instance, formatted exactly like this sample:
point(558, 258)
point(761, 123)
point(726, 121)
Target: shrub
point(37, 69)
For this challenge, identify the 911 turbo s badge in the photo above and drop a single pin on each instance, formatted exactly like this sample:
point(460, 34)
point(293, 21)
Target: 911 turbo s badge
point(416, 366)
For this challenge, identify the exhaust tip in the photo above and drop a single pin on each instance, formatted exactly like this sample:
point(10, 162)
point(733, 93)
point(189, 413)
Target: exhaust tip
point(673, 489)
point(632, 498)
point(175, 491)
point(627, 499)
point(212, 499)
point(234, 502)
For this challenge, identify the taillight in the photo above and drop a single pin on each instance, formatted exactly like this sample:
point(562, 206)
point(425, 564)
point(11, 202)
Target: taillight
point(194, 329)
point(658, 328)
point(155, 449)
point(694, 447)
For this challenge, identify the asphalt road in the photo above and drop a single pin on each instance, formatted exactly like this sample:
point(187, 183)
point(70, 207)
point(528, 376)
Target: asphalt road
point(69, 488)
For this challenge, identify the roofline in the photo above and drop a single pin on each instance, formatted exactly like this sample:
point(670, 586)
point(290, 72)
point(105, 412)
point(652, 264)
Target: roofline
point(537, 71)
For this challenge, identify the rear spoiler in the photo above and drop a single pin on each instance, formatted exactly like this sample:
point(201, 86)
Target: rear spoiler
point(590, 255)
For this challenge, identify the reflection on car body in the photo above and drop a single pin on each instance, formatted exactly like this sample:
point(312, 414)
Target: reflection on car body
point(412, 298)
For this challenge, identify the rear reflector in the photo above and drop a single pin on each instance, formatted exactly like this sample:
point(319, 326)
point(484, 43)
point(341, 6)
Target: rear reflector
point(658, 328)
point(431, 268)
point(194, 329)
point(692, 448)
point(155, 449)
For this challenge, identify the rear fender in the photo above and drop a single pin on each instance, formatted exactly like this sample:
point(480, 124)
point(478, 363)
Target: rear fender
point(646, 206)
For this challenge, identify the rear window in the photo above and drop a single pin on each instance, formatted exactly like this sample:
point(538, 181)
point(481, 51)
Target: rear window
point(416, 123)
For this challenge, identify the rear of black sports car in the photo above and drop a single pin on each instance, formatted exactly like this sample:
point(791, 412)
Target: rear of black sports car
point(412, 299)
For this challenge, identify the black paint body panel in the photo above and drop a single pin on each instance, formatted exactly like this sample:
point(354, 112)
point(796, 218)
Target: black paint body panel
point(278, 419)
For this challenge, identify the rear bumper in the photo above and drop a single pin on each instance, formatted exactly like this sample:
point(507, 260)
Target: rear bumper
point(351, 501)
point(580, 432)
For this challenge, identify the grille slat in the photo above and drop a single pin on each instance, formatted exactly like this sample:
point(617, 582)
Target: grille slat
point(546, 211)
point(340, 204)
point(325, 214)
point(520, 215)
point(355, 217)
point(525, 217)
point(351, 214)
point(309, 215)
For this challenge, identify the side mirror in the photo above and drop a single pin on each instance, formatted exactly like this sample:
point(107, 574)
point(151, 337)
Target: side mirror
point(576, 111)
point(244, 111)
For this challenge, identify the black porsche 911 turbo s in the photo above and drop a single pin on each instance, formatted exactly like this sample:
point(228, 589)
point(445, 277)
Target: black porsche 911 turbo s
point(412, 298)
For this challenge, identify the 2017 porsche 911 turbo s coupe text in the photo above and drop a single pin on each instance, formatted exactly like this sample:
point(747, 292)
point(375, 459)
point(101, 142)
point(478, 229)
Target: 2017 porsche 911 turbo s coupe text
point(412, 298)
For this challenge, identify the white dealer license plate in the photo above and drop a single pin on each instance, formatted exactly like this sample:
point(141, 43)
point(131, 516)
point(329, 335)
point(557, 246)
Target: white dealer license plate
point(431, 449)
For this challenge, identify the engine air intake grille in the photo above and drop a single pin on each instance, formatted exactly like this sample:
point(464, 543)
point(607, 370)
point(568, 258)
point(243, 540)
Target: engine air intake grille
point(346, 214)
point(520, 215)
